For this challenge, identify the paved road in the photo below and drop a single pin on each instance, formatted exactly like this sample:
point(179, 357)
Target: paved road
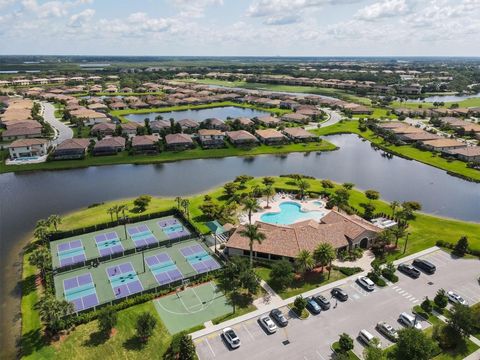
point(311, 338)
point(335, 117)
point(63, 131)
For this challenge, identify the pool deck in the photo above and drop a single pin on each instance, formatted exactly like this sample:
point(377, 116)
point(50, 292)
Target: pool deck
point(306, 205)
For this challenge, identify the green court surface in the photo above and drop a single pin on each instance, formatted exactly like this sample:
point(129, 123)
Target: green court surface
point(191, 307)
point(103, 285)
point(89, 246)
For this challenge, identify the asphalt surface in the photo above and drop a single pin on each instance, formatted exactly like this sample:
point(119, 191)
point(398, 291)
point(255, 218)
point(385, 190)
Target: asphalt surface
point(63, 131)
point(311, 338)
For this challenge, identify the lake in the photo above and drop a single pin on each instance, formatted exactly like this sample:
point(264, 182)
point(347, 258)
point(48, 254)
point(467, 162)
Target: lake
point(221, 113)
point(445, 98)
point(27, 197)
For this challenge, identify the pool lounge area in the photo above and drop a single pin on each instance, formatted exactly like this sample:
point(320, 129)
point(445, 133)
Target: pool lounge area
point(284, 210)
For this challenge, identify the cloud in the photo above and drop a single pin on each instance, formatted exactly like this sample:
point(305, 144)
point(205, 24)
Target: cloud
point(79, 19)
point(194, 8)
point(282, 20)
point(383, 9)
point(261, 8)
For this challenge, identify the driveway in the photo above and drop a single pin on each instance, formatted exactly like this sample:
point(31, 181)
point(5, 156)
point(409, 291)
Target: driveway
point(63, 132)
point(311, 338)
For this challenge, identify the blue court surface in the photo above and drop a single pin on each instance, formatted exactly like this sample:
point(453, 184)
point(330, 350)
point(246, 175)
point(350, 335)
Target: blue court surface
point(163, 268)
point(141, 235)
point(71, 252)
point(80, 290)
point(124, 280)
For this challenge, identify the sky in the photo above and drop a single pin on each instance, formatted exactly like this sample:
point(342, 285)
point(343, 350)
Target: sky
point(241, 27)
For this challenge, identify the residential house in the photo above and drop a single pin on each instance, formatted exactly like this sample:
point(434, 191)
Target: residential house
point(300, 134)
point(189, 125)
point(24, 148)
point(268, 120)
point(468, 154)
point(443, 145)
point(271, 137)
point(146, 144)
point(211, 138)
point(130, 128)
point(22, 130)
point(71, 149)
point(179, 142)
point(296, 117)
point(159, 125)
point(105, 129)
point(241, 138)
point(214, 123)
point(109, 146)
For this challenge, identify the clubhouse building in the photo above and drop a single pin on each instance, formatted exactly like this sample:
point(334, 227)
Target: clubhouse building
point(342, 231)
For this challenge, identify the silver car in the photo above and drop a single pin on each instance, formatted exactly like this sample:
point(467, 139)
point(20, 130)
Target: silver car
point(231, 337)
point(267, 323)
point(456, 299)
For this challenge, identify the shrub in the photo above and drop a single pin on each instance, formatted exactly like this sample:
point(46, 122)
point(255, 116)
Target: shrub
point(345, 343)
point(426, 305)
point(441, 299)
point(348, 271)
point(300, 304)
point(461, 247)
point(282, 274)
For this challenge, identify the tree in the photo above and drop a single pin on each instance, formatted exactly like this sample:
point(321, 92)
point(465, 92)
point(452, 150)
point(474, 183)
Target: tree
point(253, 233)
point(250, 205)
point(413, 344)
point(413, 205)
point(372, 194)
point(383, 239)
point(187, 348)
point(185, 204)
point(398, 232)
point(269, 192)
point(230, 189)
point(142, 202)
point(369, 210)
point(282, 274)
point(268, 181)
point(107, 319)
point(40, 258)
point(53, 312)
point(327, 184)
point(178, 199)
point(41, 234)
point(210, 209)
point(348, 186)
point(303, 186)
point(463, 320)
point(146, 323)
point(394, 206)
point(304, 261)
point(345, 343)
point(111, 211)
point(54, 220)
point(324, 254)
point(242, 179)
point(441, 299)
point(461, 247)
point(426, 305)
point(300, 303)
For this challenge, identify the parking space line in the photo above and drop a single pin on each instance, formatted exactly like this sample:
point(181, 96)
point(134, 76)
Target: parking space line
point(248, 332)
point(462, 294)
point(320, 355)
point(210, 347)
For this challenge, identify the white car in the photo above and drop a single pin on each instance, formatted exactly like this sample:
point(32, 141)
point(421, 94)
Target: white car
point(366, 283)
point(456, 299)
point(409, 321)
point(231, 337)
point(267, 324)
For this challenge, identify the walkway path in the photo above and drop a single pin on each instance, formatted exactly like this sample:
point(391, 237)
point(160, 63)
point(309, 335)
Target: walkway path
point(279, 303)
point(62, 131)
point(271, 298)
point(364, 262)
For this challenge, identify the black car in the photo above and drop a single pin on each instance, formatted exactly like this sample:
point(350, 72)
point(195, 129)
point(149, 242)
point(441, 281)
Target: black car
point(278, 316)
point(425, 265)
point(322, 301)
point(340, 294)
point(409, 270)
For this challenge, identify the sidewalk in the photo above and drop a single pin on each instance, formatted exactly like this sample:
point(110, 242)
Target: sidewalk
point(280, 302)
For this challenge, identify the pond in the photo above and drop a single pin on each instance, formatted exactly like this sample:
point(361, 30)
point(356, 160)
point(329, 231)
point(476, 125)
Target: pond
point(221, 113)
point(445, 98)
point(27, 197)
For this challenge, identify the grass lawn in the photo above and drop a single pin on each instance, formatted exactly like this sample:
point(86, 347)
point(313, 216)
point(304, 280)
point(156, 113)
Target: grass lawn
point(432, 319)
point(121, 113)
point(168, 156)
point(239, 311)
point(458, 353)
point(455, 167)
point(350, 353)
point(304, 283)
point(477, 334)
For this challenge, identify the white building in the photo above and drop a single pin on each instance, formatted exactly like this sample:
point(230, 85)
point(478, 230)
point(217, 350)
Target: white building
point(28, 147)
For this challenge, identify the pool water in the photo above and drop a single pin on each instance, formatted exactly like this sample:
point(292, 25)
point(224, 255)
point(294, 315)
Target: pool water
point(290, 212)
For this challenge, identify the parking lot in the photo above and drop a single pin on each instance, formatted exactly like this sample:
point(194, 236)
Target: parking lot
point(311, 338)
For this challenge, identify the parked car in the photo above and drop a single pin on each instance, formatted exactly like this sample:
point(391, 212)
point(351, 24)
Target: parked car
point(267, 324)
point(409, 270)
point(278, 316)
point(409, 321)
point(456, 299)
point(425, 265)
point(313, 307)
point(366, 283)
point(387, 330)
point(368, 338)
point(322, 301)
point(231, 337)
point(340, 294)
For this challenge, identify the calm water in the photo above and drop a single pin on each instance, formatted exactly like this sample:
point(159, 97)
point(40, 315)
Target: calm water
point(199, 115)
point(27, 197)
point(290, 212)
point(446, 98)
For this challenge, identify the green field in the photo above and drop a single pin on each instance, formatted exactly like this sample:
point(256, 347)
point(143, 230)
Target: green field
point(453, 166)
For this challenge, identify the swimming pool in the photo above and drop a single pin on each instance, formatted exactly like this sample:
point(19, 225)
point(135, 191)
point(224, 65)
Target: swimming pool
point(290, 212)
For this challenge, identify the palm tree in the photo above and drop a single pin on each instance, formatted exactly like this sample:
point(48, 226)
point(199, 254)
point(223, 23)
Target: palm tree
point(268, 181)
point(116, 210)
point(52, 311)
point(178, 199)
point(54, 220)
point(121, 209)
point(303, 185)
point(269, 192)
point(40, 258)
point(394, 205)
point(111, 211)
point(324, 254)
point(253, 233)
point(41, 233)
point(250, 205)
point(398, 232)
point(304, 261)
point(42, 223)
point(185, 204)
